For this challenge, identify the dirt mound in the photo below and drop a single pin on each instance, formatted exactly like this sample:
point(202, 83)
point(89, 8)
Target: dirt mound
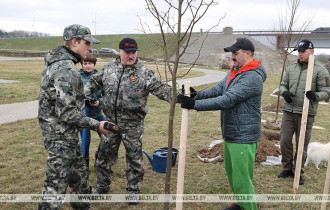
point(266, 148)
point(273, 124)
point(272, 107)
point(215, 151)
point(270, 135)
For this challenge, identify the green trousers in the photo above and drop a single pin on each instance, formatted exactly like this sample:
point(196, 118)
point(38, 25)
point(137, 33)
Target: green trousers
point(239, 165)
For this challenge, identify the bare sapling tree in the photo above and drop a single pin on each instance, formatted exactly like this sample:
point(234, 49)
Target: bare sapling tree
point(288, 36)
point(176, 19)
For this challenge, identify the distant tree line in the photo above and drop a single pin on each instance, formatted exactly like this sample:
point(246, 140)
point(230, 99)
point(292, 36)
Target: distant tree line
point(20, 33)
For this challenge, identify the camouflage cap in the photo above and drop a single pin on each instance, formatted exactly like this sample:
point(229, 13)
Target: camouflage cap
point(79, 31)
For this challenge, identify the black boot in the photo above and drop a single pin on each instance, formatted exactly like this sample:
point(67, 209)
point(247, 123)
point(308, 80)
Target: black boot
point(87, 162)
point(96, 155)
point(285, 174)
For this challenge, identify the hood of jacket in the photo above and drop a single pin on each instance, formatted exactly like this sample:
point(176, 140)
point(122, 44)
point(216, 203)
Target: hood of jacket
point(61, 53)
point(262, 72)
point(254, 65)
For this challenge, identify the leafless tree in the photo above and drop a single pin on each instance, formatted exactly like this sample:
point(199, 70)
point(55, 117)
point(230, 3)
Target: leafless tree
point(289, 34)
point(176, 18)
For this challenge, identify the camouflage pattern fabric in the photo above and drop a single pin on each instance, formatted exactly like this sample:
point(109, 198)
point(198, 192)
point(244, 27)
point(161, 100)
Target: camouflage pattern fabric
point(125, 103)
point(61, 104)
point(79, 32)
point(61, 98)
point(131, 137)
point(127, 89)
point(65, 167)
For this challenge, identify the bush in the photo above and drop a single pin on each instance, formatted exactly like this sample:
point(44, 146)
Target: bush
point(323, 58)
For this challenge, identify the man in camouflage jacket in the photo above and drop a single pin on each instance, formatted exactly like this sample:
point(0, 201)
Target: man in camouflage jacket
point(127, 84)
point(61, 105)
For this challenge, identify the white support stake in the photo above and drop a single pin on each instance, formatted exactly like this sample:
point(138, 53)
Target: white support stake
point(302, 134)
point(182, 150)
point(326, 187)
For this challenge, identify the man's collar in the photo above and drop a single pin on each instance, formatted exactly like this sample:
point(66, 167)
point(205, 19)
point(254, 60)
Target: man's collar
point(77, 56)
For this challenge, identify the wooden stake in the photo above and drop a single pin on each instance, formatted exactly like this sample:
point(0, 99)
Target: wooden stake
point(326, 187)
point(303, 124)
point(182, 151)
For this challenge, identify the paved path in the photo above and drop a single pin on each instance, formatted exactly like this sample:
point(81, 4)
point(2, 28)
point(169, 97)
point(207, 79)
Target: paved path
point(8, 81)
point(3, 58)
point(26, 110)
point(18, 111)
point(210, 76)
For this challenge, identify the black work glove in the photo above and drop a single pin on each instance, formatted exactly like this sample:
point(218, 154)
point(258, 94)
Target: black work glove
point(193, 92)
point(185, 101)
point(287, 96)
point(311, 95)
point(112, 127)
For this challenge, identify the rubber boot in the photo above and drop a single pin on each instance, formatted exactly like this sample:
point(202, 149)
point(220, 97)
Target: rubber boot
point(96, 156)
point(87, 162)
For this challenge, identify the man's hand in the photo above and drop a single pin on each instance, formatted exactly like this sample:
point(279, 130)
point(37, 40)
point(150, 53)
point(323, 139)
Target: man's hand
point(112, 127)
point(193, 92)
point(186, 102)
point(311, 95)
point(288, 96)
point(102, 129)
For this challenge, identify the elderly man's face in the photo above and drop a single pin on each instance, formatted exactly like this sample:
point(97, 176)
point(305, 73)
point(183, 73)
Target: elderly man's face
point(304, 55)
point(128, 58)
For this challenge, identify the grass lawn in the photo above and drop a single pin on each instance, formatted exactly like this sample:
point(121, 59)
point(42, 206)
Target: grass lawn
point(29, 74)
point(146, 43)
point(23, 157)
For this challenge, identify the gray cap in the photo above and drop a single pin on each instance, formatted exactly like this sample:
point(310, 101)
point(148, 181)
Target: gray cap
point(80, 32)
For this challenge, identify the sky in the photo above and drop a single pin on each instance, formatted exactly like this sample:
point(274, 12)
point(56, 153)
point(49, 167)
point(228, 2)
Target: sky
point(125, 16)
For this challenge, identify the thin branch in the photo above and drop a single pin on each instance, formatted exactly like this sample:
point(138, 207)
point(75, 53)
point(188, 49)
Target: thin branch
point(196, 19)
point(169, 3)
point(200, 49)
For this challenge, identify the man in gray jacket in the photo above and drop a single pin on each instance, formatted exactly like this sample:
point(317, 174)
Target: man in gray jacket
point(292, 88)
point(238, 96)
point(327, 66)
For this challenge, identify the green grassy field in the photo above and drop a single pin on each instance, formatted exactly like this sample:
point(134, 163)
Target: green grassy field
point(23, 157)
point(29, 74)
point(147, 48)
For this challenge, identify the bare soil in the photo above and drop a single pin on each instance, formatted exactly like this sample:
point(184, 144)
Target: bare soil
point(272, 107)
point(266, 148)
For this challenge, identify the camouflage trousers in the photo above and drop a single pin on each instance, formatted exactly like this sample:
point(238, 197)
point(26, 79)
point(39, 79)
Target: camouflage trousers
point(131, 136)
point(65, 167)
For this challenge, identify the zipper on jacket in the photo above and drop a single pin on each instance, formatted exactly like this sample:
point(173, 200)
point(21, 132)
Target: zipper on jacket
point(117, 94)
point(295, 93)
